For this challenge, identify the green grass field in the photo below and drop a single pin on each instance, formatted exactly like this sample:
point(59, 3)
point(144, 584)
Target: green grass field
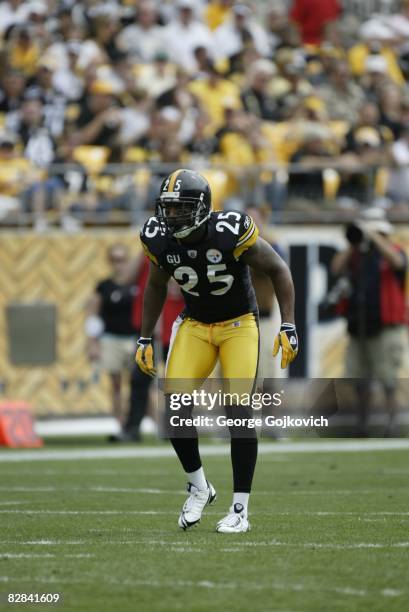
point(330, 532)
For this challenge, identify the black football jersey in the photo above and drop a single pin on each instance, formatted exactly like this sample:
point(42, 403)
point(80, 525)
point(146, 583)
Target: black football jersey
point(215, 282)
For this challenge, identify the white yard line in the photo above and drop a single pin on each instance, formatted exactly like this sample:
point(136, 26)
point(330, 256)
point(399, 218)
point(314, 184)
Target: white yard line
point(239, 546)
point(318, 513)
point(236, 547)
point(90, 512)
point(152, 491)
point(10, 555)
point(155, 452)
point(210, 585)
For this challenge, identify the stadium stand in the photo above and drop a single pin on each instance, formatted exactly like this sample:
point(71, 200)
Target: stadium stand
point(99, 101)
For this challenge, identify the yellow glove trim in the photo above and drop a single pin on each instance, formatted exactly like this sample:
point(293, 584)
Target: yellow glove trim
point(288, 354)
point(144, 360)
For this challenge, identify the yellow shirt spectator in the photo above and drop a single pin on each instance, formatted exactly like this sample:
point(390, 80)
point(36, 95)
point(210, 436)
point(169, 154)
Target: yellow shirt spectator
point(359, 54)
point(216, 94)
point(14, 174)
point(217, 12)
point(24, 57)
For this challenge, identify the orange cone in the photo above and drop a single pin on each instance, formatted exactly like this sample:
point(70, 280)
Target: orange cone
point(17, 426)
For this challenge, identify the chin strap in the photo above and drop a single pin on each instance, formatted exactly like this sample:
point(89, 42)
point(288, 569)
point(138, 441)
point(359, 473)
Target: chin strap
point(186, 232)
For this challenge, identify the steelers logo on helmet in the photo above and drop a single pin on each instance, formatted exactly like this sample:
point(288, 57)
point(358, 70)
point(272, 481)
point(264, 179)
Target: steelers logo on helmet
point(184, 202)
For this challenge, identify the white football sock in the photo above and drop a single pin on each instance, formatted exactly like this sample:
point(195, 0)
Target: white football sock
point(198, 479)
point(243, 499)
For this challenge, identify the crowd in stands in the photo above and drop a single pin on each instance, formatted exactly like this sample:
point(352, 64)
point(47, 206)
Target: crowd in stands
point(295, 100)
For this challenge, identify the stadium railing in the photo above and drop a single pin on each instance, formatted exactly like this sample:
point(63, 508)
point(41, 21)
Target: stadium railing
point(96, 194)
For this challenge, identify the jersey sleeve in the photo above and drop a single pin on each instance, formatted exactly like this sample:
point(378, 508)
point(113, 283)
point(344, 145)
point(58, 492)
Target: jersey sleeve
point(248, 235)
point(150, 236)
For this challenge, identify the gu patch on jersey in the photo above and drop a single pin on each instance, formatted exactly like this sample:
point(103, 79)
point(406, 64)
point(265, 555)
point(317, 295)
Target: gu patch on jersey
point(173, 259)
point(214, 256)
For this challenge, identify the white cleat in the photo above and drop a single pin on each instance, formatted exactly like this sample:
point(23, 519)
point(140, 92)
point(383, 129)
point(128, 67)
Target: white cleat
point(195, 504)
point(234, 522)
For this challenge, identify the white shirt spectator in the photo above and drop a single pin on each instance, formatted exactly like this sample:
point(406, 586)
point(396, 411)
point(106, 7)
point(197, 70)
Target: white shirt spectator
point(134, 124)
point(144, 38)
point(11, 14)
point(155, 80)
point(168, 9)
point(398, 187)
point(181, 39)
point(228, 39)
point(68, 84)
point(145, 43)
point(40, 149)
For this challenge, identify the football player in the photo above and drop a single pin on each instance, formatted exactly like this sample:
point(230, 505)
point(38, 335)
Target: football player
point(209, 254)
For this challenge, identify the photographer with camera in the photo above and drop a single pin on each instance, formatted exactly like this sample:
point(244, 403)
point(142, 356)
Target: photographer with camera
point(375, 310)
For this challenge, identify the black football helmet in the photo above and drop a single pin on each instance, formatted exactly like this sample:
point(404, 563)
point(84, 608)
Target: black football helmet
point(184, 202)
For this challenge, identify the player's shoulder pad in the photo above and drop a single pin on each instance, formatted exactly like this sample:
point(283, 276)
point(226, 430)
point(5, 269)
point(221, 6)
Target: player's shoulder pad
point(243, 231)
point(153, 239)
point(248, 234)
point(236, 231)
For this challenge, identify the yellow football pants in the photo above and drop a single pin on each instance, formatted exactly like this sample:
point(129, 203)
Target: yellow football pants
point(195, 348)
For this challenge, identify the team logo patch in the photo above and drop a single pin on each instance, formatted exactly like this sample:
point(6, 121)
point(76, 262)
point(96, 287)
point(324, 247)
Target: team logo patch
point(214, 256)
point(192, 253)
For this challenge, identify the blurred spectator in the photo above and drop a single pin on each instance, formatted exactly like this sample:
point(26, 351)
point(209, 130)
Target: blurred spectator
point(241, 144)
point(111, 335)
point(215, 94)
point(312, 15)
point(368, 129)
point(306, 180)
point(184, 35)
point(144, 38)
point(12, 91)
point(66, 80)
point(278, 26)
point(104, 122)
point(291, 85)
point(239, 30)
point(12, 12)
point(173, 306)
point(375, 78)
point(341, 95)
point(257, 98)
point(364, 151)
point(217, 12)
point(378, 39)
point(17, 176)
point(54, 102)
point(201, 145)
point(390, 106)
point(158, 77)
point(398, 184)
point(375, 309)
point(30, 125)
point(24, 50)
